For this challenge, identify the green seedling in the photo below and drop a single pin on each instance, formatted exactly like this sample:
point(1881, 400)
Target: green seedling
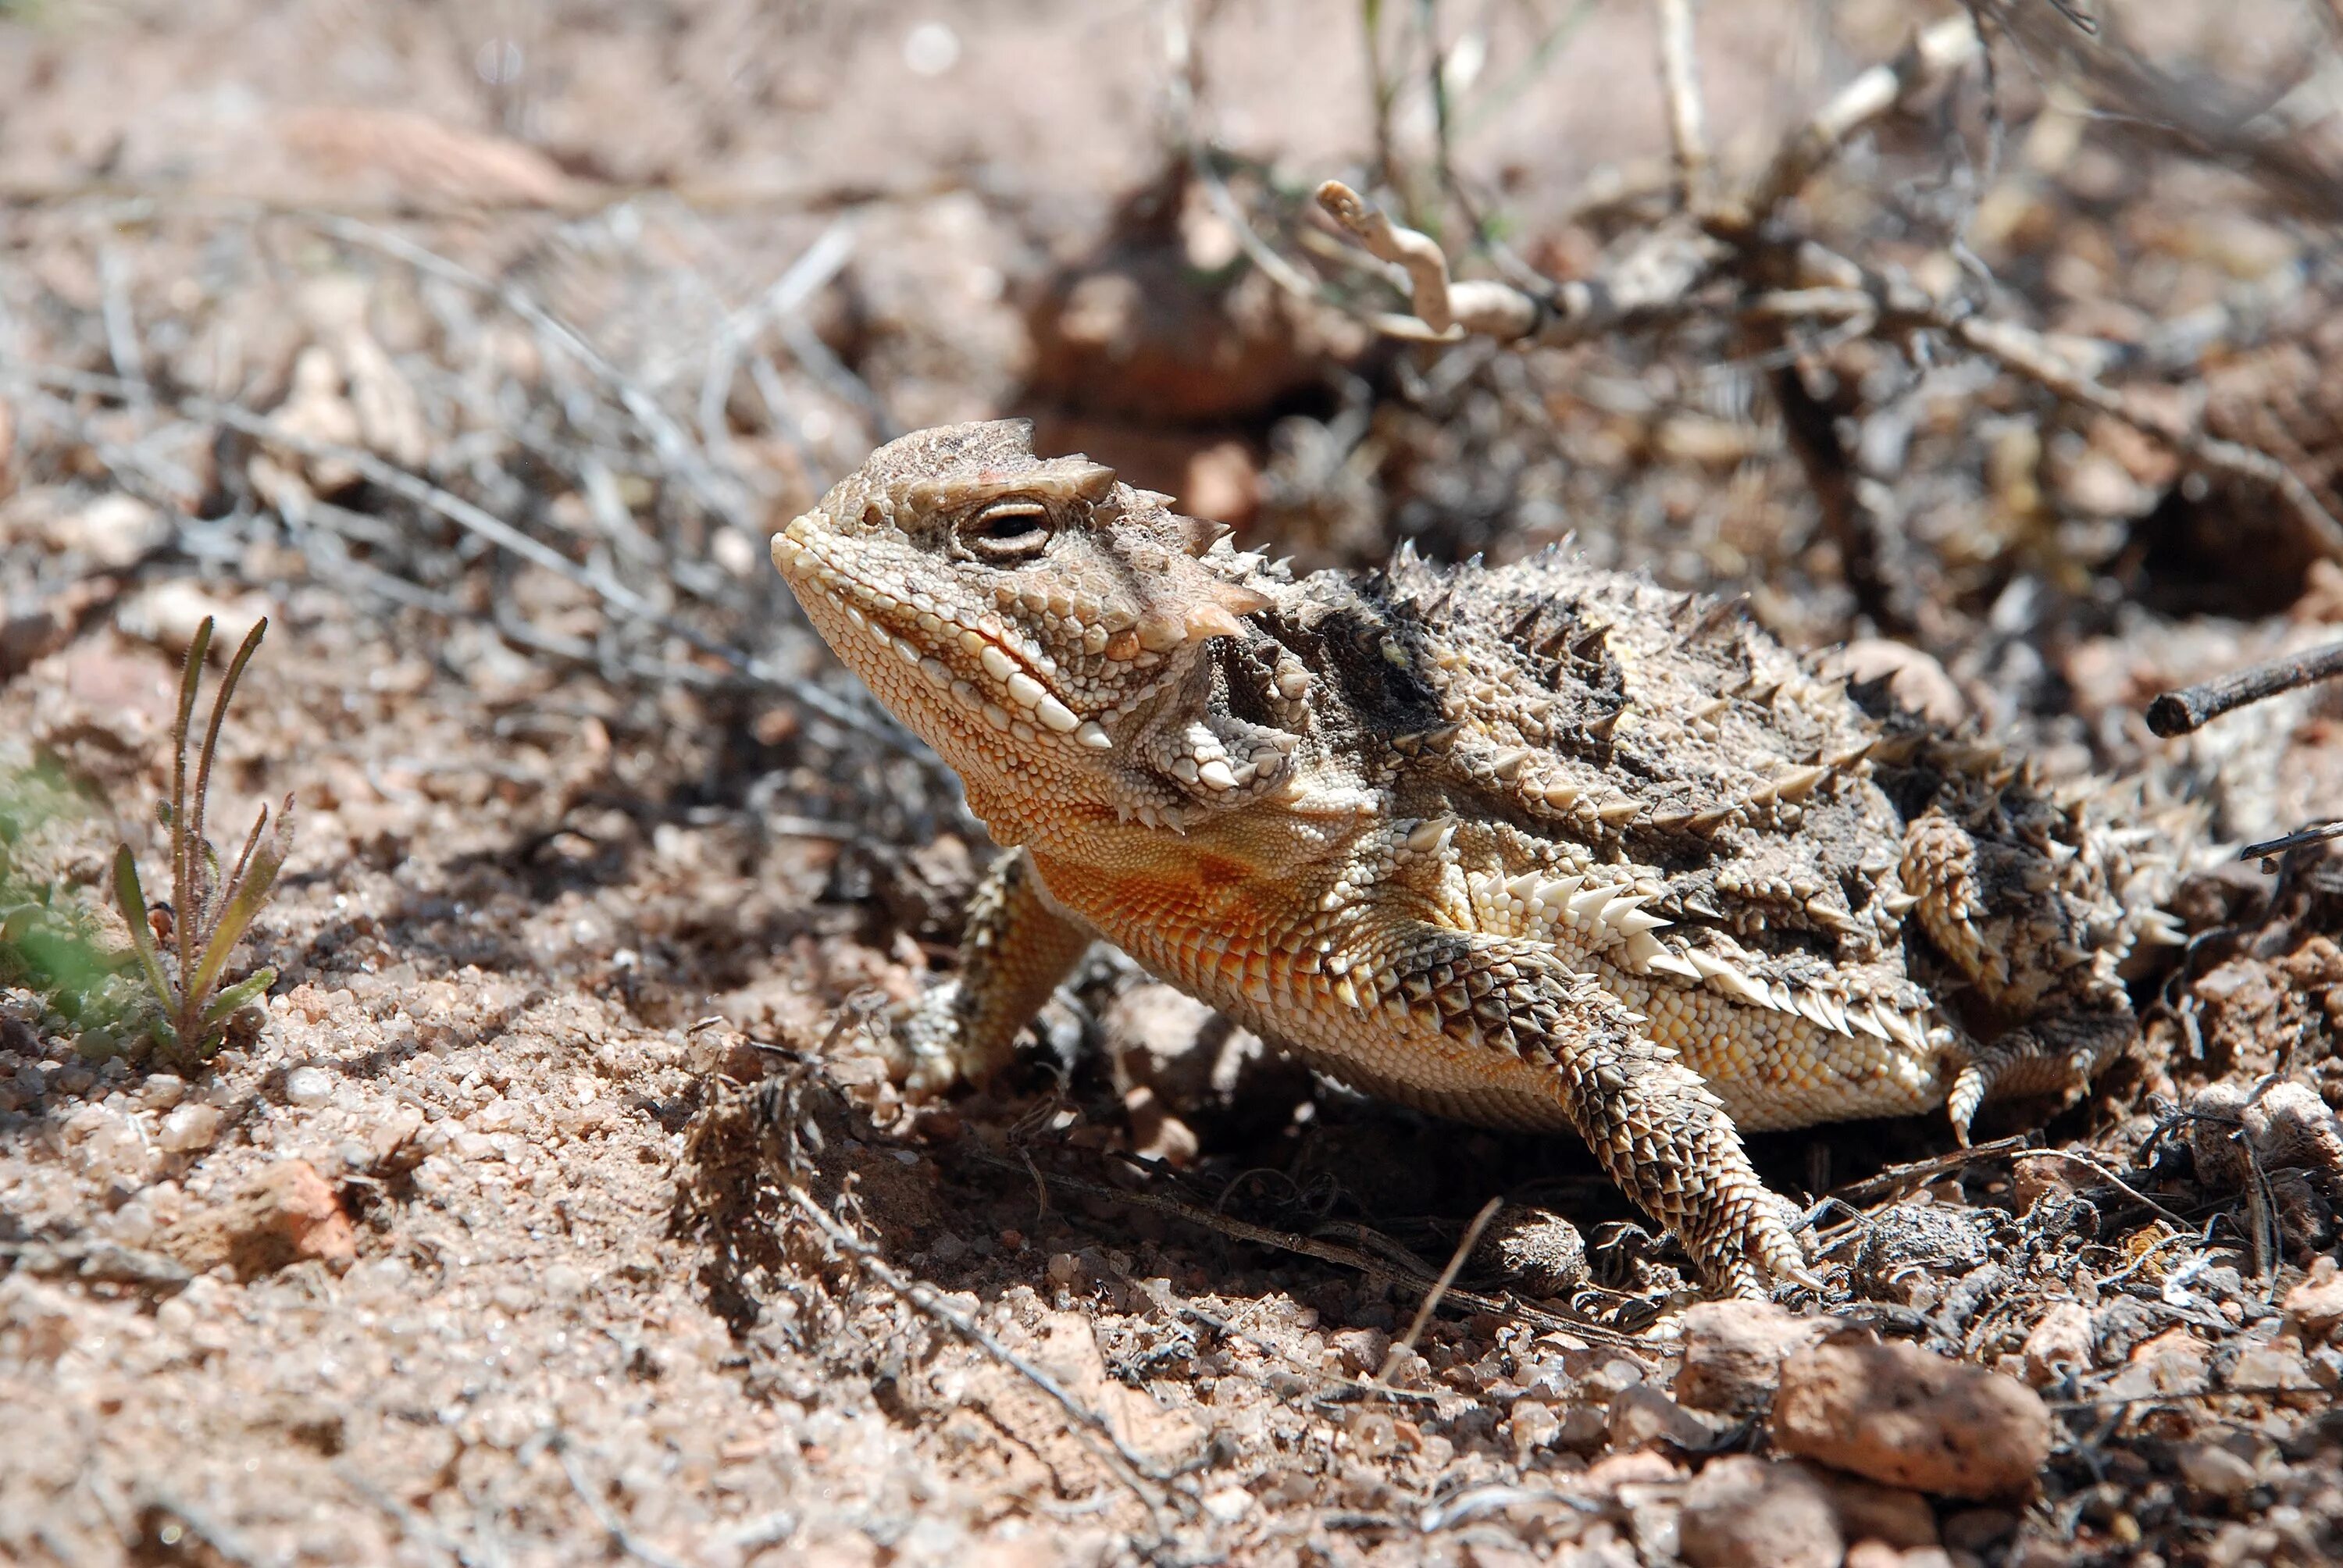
point(208, 915)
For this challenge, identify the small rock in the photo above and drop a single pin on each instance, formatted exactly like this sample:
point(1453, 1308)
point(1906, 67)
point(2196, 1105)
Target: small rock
point(1911, 1248)
point(104, 1144)
point(285, 1215)
point(1534, 1248)
point(1228, 1504)
point(2176, 1360)
point(1906, 1416)
point(168, 613)
point(2213, 1471)
point(1975, 1530)
point(1155, 1132)
point(1362, 1350)
point(188, 1128)
point(2286, 1127)
point(2291, 1128)
point(1161, 1040)
point(1647, 1467)
point(162, 1091)
point(2033, 1177)
point(308, 1086)
point(2272, 1369)
point(1531, 1426)
point(2121, 1324)
point(2058, 1344)
point(1873, 1555)
point(1642, 1415)
point(2315, 1306)
point(1732, 1353)
point(38, 1323)
point(115, 530)
point(1222, 482)
point(1866, 1510)
point(1586, 1429)
point(1741, 1511)
point(1192, 1058)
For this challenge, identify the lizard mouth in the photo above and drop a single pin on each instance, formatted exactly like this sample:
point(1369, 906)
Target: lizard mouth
point(965, 658)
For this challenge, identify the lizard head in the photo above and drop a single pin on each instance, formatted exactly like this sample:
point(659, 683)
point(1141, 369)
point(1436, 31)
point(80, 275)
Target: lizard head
point(1028, 617)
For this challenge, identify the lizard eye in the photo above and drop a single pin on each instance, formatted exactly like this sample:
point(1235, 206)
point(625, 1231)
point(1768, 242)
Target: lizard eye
point(1016, 529)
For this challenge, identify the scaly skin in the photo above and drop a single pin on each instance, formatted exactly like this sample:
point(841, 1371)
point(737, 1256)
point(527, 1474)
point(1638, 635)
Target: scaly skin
point(1540, 846)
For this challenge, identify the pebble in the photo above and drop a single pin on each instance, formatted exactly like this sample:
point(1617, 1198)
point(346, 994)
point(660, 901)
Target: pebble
point(1533, 1425)
point(2315, 1306)
point(1734, 1350)
point(1869, 1511)
point(308, 1086)
point(1740, 1510)
point(286, 1214)
point(1642, 1415)
point(2214, 1471)
point(1536, 1248)
point(2058, 1344)
point(1911, 1249)
point(188, 1128)
point(2271, 1368)
point(1904, 1415)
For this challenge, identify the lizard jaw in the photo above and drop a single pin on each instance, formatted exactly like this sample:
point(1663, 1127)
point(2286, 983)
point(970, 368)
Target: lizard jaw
point(968, 662)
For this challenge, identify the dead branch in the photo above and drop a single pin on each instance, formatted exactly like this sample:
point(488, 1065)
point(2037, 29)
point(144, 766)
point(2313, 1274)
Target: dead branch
point(1853, 524)
point(473, 519)
point(2239, 130)
point(1405, 1343)
point(1839, 288)
point(1447, 309)
point(1124, 1463)
point(1652, 280)
point(1687, 120)
point(2191, 709)
point(1933, 56)
point(1374, 1269)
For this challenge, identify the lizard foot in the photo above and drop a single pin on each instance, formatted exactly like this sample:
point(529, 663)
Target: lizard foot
point(2059, 1056)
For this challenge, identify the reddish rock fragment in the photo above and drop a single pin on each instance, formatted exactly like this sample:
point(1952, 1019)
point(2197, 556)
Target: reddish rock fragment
point(1734, 1350)
point(1741, 1511)
point(2315, 1306)
point(2058, 1344)
point(1908, 1417)
point(285, 1215)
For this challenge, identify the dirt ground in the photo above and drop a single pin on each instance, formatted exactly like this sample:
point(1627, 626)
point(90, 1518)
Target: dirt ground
point(556, 1204)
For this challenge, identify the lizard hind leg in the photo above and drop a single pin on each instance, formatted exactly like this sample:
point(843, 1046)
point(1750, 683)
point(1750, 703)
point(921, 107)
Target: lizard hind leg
point(2057, 1055)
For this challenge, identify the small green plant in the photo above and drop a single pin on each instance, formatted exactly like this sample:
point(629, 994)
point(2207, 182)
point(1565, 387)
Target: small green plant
point(207, 915)
point(51, 941)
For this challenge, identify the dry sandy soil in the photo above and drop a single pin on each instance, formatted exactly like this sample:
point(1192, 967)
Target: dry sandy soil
point(556, 1204)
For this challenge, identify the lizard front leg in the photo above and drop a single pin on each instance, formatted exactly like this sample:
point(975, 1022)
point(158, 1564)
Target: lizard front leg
point(1015, 949)
point(1652, 1122)
point(2028, 933)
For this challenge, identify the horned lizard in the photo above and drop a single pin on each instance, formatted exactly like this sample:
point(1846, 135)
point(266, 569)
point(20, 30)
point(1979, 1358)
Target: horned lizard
point(1540, 846)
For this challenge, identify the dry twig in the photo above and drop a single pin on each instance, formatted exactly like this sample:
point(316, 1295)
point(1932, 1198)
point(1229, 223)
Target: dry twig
point(1687, 121)
point(1125, 1465)
point(1374, 1269)
point(2192, 707)
point(1744, 240)
point(1405, 1343)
